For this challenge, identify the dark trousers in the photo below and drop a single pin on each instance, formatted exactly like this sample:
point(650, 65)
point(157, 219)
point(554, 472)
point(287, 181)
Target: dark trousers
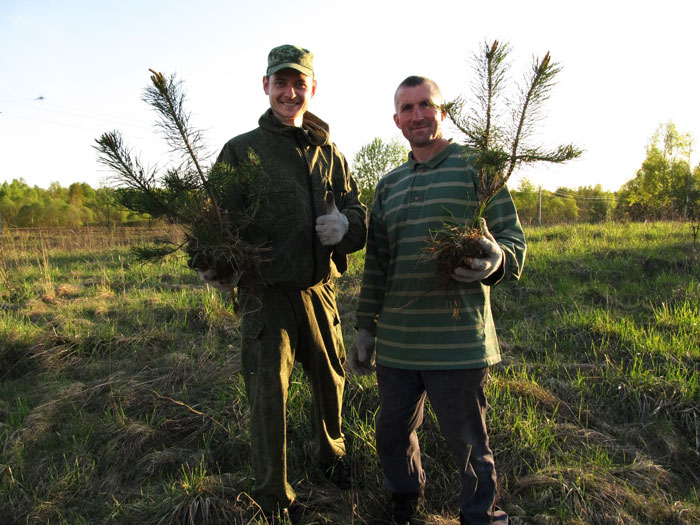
point(457, 397)
point(281, 326)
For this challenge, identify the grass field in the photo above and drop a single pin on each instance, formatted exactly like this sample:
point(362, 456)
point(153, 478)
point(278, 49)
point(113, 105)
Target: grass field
point(121, 402)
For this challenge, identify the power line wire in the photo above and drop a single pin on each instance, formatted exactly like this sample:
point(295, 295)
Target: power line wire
point(40, 105)
point(585, 197)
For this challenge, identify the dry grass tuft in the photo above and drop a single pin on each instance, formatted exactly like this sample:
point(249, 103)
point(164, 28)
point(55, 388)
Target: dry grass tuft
point(69, 291)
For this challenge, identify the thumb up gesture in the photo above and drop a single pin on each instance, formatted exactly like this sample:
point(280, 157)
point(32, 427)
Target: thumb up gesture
point(332, 226)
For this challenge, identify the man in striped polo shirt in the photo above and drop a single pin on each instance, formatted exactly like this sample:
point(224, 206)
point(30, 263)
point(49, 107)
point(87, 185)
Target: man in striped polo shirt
point(431, 340)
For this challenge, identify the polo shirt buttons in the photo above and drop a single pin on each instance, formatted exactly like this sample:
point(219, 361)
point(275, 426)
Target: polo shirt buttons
point(420, 170)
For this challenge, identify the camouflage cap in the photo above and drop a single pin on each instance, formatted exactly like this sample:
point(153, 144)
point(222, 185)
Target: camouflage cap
point(293, 57)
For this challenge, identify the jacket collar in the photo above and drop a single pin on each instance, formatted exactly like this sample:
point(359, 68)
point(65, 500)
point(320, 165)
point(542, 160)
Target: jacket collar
point(313, 128)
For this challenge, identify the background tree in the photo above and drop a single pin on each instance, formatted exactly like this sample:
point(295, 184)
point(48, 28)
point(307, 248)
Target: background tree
point(75, 194)
point(30, 215)
point(8, 209)
point(565, 205)
point(373, 161)
point(592, 204)
point(526, 199)
point(692, 210)
point(559, 207)
point(664, 187)
point(78, 205)
point(105, 208)
point(595, 205)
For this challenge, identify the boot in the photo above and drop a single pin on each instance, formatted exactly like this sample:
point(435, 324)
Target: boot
point(340, 473)
point(405, 507)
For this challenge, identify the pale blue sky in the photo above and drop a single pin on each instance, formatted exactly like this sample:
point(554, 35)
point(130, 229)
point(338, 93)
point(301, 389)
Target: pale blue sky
point(628, 67)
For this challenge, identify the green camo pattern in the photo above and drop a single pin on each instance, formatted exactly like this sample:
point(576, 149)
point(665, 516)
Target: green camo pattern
point(288, 56)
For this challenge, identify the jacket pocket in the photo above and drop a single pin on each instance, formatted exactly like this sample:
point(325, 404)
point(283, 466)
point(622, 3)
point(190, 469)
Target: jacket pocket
point(282, 203)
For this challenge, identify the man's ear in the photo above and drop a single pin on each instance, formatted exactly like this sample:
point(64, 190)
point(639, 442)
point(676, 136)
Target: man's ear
point(396, 120)
point(266, 84)
point(313, 88)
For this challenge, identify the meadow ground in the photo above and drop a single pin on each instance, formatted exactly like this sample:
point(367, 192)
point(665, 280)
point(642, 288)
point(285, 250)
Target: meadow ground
point(121, 401)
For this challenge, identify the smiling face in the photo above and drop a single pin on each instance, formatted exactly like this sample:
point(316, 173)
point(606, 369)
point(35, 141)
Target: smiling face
point(418, 115)
point(290, 92)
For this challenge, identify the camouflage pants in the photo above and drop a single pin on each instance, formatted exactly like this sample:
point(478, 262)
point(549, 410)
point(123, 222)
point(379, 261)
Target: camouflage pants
point(281, 326)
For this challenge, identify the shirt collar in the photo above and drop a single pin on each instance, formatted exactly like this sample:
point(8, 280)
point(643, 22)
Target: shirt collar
point(434, 161)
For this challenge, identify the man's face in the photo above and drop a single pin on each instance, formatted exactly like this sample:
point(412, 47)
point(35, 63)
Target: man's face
point(418, 114)
point(290, 93)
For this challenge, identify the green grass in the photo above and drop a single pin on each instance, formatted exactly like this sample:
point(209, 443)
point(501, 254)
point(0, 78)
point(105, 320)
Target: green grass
point(121, 401)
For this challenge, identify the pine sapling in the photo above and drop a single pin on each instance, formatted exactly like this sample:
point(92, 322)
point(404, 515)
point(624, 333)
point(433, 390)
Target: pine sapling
point(187, 193)
point(498, 148)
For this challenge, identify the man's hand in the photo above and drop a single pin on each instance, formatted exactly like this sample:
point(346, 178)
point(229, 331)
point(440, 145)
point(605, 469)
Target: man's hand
point(361, 352)
point(479, 269)
point(223, 284)
point(332, 227)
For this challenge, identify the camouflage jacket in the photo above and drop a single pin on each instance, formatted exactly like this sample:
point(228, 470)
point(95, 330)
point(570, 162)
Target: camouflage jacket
point(302, 165)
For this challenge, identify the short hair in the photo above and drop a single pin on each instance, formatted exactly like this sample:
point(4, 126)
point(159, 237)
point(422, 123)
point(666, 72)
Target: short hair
point(413, 81)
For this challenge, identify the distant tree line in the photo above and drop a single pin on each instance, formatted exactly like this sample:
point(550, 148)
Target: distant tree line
point(565, 205)
point(665, 187)
point(77, 205)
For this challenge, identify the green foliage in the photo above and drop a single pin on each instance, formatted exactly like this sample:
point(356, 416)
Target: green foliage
point(565, 205)
point(373, 161)
point(560, 209)
point(595, 205)
point(664, 187)
point(75, 206)
point(527, 202)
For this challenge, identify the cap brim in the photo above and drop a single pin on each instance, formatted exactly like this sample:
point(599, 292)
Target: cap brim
point(290, 65)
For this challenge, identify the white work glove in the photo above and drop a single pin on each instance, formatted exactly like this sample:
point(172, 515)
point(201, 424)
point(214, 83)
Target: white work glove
point(332, 227)
point(361, 352)
point(223, 284)
point(479, 269)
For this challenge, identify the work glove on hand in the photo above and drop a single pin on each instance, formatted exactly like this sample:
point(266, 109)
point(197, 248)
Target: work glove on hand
point(478, 269)
point(223, 284)
point(332, 227)
point(361, 352)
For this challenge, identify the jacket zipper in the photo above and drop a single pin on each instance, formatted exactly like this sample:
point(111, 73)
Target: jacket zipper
point(309, 183)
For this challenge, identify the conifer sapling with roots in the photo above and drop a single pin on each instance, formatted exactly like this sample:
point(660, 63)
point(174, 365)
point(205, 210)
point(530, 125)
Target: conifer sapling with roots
point(189, 194)
point(500, 148)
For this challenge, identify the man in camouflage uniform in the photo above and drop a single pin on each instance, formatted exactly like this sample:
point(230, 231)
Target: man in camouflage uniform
point(313, 220)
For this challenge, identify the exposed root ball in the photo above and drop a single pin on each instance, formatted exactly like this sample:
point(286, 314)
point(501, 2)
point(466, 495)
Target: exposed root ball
point(449, 247)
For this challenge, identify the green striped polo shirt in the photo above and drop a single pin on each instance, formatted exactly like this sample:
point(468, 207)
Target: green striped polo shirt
point(418, 323)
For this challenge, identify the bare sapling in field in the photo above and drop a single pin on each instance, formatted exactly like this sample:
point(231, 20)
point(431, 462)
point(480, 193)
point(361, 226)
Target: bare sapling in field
point(695, 230)
point(499, 147)
point(188, 193)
